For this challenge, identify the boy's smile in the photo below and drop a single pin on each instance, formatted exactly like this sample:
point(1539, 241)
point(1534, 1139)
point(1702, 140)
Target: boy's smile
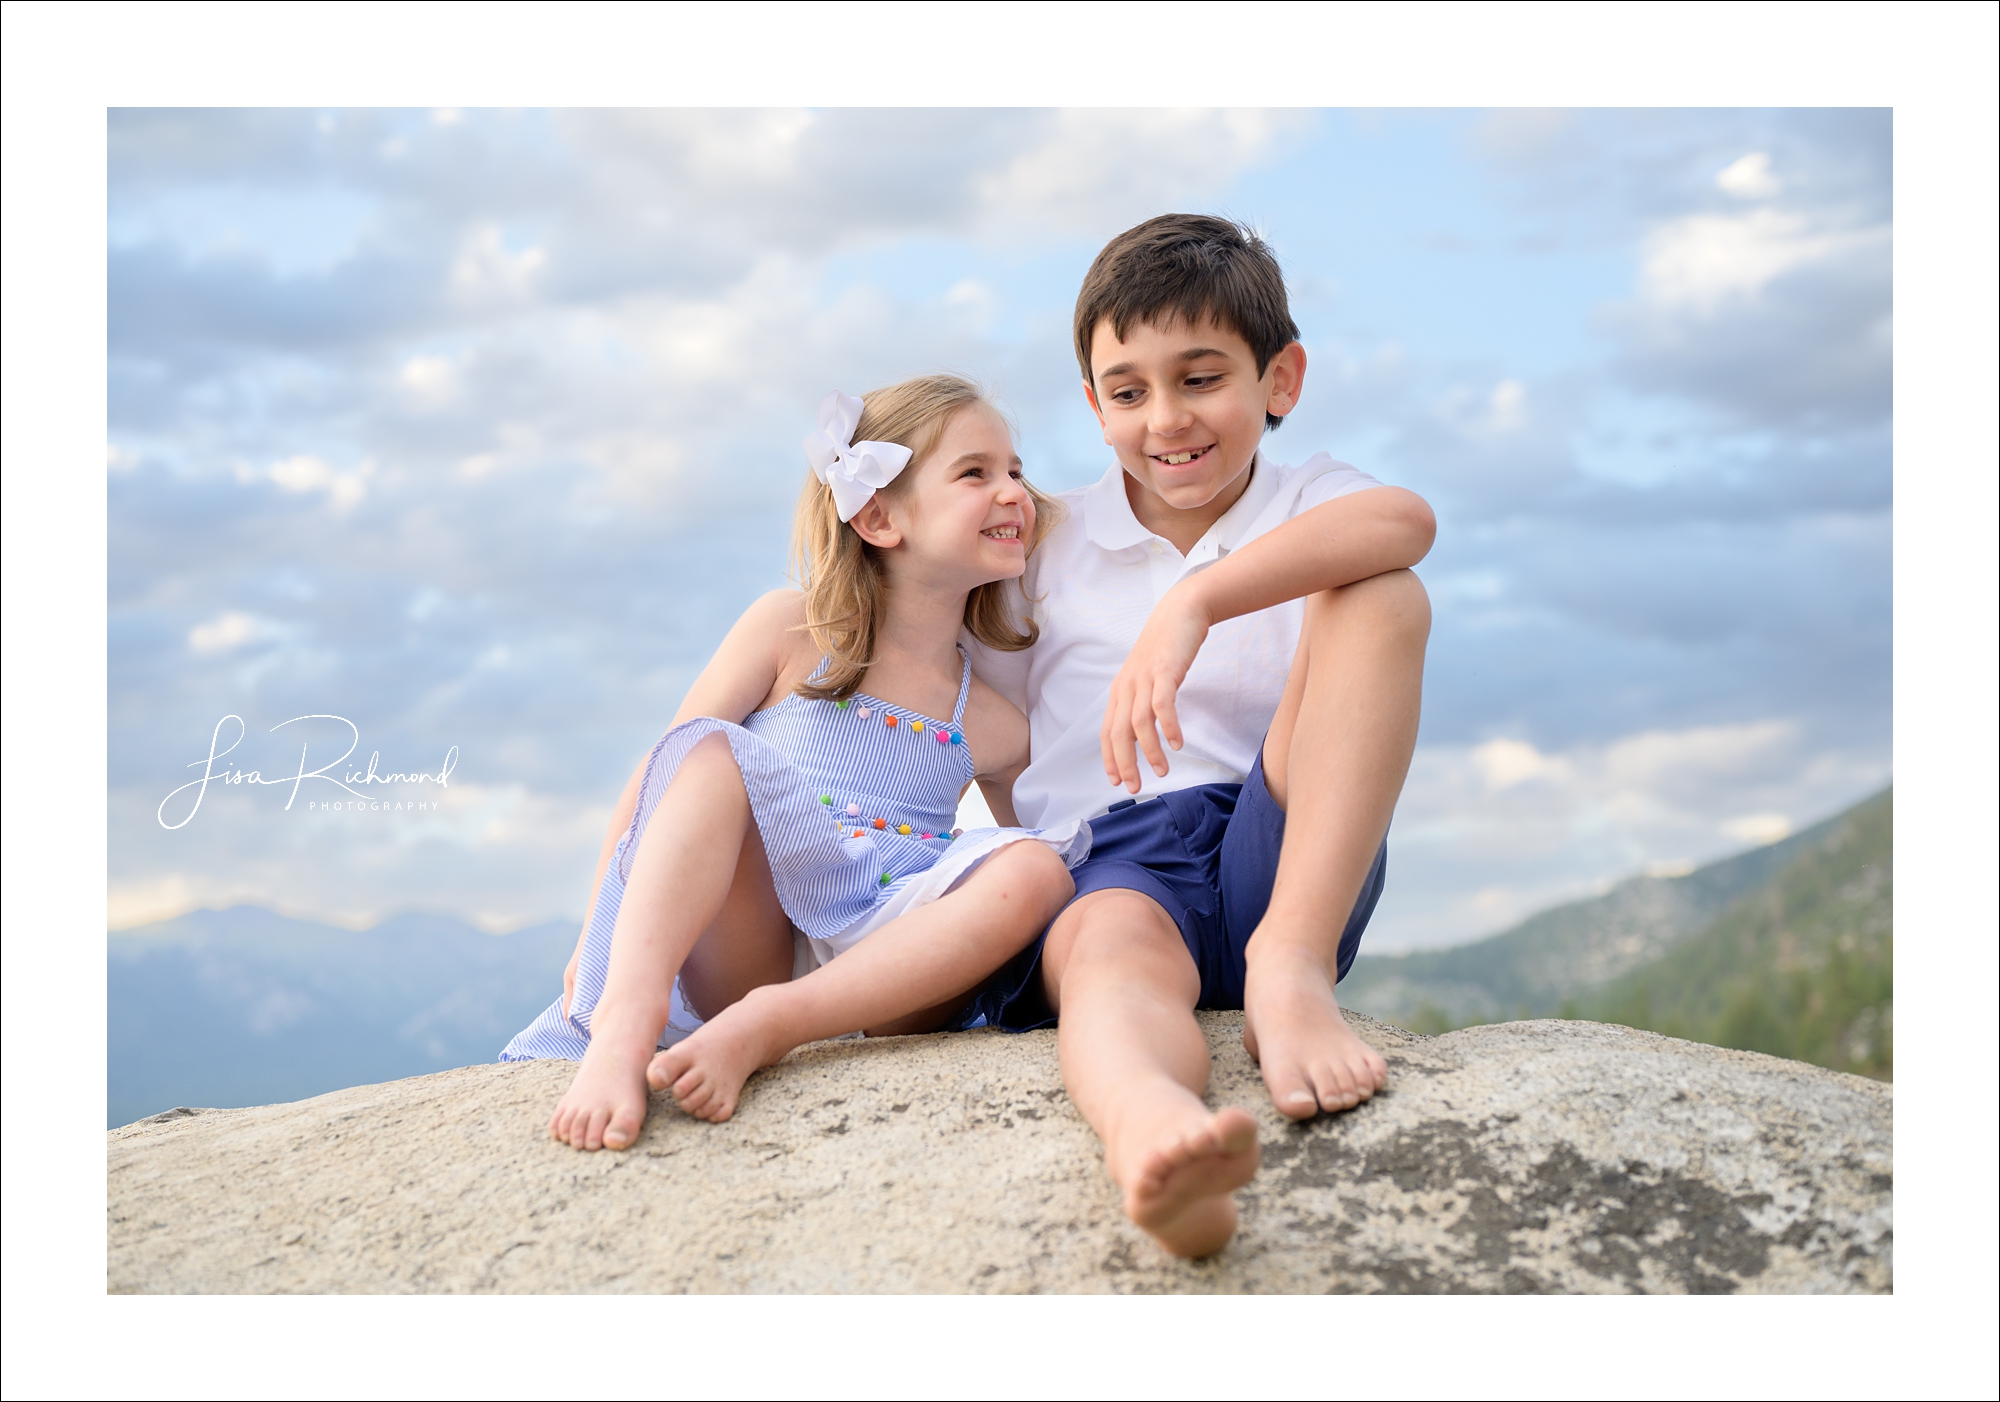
point(1184, 408)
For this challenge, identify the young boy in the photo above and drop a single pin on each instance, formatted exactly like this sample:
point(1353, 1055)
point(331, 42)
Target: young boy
point(1261, 619)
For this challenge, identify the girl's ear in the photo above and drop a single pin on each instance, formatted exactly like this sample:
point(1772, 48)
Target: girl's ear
point(873, 524)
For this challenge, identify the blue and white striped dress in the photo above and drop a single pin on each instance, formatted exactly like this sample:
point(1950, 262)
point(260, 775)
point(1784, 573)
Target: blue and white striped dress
point(854, 802)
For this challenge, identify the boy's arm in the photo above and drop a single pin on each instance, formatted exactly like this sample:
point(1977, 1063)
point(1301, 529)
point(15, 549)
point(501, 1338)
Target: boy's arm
point(1350, 538)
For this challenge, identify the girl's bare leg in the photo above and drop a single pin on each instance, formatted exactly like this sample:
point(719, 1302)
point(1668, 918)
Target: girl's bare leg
point(699, 901)
point(907, 976)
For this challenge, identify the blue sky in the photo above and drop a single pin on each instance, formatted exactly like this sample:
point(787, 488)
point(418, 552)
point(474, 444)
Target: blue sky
point(479, 428)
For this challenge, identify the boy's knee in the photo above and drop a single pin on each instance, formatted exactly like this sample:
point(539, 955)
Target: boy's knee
point(1115, 924)
point(1394, 602)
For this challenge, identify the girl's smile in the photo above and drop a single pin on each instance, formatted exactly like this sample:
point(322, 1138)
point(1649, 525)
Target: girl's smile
point(966, 517)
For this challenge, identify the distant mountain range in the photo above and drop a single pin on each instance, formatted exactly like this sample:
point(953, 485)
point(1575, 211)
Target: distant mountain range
point(1786, 949)
point(248, 1007)
point(1783, 949)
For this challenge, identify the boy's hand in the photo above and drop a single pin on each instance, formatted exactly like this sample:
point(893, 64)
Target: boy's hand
point(1141, 706)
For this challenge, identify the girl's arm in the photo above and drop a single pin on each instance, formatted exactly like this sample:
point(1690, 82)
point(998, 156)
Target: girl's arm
point(758, 662)
point(753, 668)
point(999, 733)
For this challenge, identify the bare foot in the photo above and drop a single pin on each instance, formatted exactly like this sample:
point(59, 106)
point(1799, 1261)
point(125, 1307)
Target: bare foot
point(1182, 1191)
point(1292, 1028)
point(707, 1071)
point(606, 1104)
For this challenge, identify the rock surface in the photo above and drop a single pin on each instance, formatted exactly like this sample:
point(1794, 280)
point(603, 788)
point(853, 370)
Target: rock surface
point(1522, 1157)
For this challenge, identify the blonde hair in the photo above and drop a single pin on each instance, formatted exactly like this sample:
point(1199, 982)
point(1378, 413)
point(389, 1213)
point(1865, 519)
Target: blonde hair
point(843, 576)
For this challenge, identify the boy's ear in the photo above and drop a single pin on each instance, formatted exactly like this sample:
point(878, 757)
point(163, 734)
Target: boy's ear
point(1287, 374)
point(1090, 394)
point(873, 524)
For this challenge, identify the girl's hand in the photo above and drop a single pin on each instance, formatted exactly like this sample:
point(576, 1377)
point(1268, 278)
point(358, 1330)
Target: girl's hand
point(1141, 705)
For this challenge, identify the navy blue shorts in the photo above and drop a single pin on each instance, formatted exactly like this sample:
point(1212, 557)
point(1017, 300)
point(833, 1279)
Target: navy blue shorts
point(1207, 855)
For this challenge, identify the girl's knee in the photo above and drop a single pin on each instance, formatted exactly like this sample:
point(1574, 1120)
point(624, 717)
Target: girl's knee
point(1037, 873)
point(710, 765)
point(712, 748)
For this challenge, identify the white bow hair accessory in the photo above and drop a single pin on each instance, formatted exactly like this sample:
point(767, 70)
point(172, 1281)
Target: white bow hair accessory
point(855, 471)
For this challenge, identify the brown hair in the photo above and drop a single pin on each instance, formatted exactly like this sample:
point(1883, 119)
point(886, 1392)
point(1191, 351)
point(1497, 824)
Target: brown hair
point(843, 576)
point(1188, 268)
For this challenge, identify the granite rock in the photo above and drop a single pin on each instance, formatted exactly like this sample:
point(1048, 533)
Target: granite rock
point(1522, 1157)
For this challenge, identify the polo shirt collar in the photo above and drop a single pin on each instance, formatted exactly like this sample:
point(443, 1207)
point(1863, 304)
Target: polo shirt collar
point(1227, 532)
point(1109, 523)
point(1107, 513)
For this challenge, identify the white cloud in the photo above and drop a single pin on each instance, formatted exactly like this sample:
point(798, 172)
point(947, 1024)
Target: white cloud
point(1749, 177)
point(1759, 828)
point(486, 268)
point(1701, 260)
point(814, 181)
point(1095, 167)
point(1650, 774)
point(1487, 834)
point(141, 901)
point(301, 474)
point(224, 633)
point(305, 473)
point(1700, 754)
point(429, 377)
point(1505, 763)
point(1778, 314)
point(1508, 405)
point(1481, 418)
point(732, 146)
point(975, 300)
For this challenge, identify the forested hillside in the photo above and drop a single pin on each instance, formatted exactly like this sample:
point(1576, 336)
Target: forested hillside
point(1786, 949)
point(1802, 968)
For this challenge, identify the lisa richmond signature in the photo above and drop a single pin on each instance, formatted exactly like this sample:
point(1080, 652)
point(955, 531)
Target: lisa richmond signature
point(215, 772)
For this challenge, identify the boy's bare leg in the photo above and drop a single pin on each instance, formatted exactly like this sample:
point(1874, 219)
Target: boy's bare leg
point(1135, 1064)
point(907, 976)
point(1334, 760)
point(705, 883)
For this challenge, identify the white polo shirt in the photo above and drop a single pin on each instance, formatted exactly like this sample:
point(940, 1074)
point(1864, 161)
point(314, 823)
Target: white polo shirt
point(1098, 575)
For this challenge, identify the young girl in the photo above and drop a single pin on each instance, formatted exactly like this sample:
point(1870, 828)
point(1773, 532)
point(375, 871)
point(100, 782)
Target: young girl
point(787, 798)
